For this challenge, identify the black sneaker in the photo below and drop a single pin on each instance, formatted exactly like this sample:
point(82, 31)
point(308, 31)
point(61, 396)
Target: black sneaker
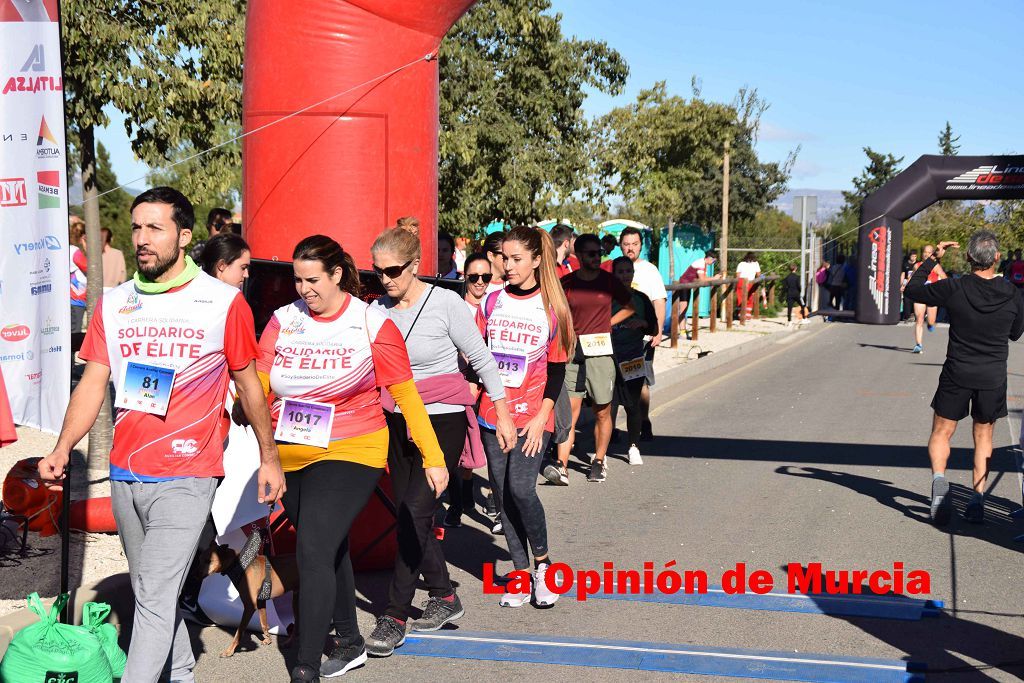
point(437, 612)
point(942, 502)
point(305, 674)
point(975, 512)
point(343, 659)
point(598, 471)
point(489, 507)
point(388, 634)
point(191, 611)
point(557, 474)
point(453, 518)
point(646, 431)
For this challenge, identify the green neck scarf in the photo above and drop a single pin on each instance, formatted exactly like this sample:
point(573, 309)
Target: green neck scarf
point(186, 276)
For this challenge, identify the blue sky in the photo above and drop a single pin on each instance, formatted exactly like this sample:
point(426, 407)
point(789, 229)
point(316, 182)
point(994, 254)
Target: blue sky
point(838, 75)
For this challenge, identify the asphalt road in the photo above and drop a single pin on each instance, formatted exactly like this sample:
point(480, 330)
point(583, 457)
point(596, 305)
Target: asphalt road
point(813, 451)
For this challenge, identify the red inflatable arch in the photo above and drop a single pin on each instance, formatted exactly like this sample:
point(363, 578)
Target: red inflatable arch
point(351, 166)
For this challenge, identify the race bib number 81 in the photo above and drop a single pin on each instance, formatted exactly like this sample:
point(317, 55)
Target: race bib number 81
point(146, 388)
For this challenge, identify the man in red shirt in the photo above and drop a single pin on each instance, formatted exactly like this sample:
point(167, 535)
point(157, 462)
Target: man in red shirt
point(169, 339)
point(561, 235)
point(590, 292)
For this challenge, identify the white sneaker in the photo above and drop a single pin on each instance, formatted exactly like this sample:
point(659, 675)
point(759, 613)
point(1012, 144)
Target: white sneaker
point(542, 595)
point(514, 599)
point(634, 456)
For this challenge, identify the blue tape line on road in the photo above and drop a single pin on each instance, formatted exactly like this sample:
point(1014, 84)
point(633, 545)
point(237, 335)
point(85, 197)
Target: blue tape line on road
point(640, 656)
point(876, 606)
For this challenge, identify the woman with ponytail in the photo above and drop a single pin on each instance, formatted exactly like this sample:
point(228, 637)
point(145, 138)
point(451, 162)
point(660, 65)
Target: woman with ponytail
point(529, 330)
point(324, 359)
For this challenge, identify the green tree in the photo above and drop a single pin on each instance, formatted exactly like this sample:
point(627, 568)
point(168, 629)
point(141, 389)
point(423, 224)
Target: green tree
point(115, 206)
point(663, 156)
point(174, 69)
point(948, 146)
point(513, 138)
point(881, 169)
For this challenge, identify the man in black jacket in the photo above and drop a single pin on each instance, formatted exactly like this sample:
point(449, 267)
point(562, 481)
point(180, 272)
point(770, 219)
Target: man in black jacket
point(985, 311)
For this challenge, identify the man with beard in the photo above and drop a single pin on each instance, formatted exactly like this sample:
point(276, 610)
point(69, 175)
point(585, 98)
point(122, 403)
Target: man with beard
point(169, 339)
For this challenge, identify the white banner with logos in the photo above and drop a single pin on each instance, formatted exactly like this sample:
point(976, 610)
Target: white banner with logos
point(35, 351)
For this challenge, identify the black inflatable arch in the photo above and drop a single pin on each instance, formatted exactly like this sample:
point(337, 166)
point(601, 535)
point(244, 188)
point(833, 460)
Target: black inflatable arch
point(926, 181)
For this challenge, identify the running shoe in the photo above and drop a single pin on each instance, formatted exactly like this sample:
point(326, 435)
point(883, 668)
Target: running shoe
point(917, 348)
point(598, 471)
point(453, 518)
point(388, 634)
point(191, 611)
point(498, 529)
point(437, 612)
point(305, 674)
point(490, 509)
point(543, 596)
point(646, 431)
point(557, 475)
point(975, 512)
point(514, 599)
point(942, 502)
point(343, 659)
point(931, 328)
point(634, 455)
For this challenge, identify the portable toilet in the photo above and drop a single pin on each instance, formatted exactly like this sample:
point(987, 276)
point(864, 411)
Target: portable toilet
point(691, 242)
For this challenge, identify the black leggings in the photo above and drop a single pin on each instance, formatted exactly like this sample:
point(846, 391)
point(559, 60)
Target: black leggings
point(419, 551)
point(628, 396)
point(514, 478)
point(322, 501)
point(790, 303)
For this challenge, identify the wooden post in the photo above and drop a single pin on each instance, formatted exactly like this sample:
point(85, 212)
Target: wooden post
point(723, 239)
point(757, 301)
point(674, 323)
point(729, 292)
point(771, 292)
point(744, 292)
point(695, 307)
point(714, 308)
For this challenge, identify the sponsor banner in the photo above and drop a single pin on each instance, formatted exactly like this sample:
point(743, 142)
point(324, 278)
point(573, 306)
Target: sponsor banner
point(35, 339)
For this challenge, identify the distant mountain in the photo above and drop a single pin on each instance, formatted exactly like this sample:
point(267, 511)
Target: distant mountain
point(75, 190)
point(830, 202)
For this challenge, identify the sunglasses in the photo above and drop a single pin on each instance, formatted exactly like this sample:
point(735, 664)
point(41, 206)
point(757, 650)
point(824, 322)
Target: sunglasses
point(392, 272)
point(477, 277)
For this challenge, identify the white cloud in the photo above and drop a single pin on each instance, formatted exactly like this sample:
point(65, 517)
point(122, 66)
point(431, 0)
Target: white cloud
point(769, 132)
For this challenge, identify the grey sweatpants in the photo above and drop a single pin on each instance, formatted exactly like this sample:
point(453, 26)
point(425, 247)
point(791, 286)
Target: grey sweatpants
point(159, 525)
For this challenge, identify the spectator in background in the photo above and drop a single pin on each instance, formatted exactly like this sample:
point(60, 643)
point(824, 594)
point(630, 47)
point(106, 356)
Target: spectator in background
point(836, 282)
point(446, 268)
point(748, 270)
point(492, 247)
point(791, 285)
point(909, 266)
point(114, 271)
point(629, 343)
point(78, 268)
point(409, 224)
point(696, 272)
point(821, 278)
point(227, 258)
point(984, 313)
point(462, 250)
point(562, 236)
point(1015, 270)
point(608, 244)
point(217, 221)
point(646, 278)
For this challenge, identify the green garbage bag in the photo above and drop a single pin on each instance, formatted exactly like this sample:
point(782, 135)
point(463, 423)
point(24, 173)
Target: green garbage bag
point(50, 652)
point(94, 618)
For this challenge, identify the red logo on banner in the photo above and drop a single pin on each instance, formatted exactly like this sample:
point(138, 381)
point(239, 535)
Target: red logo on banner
point(14, 332)
point(13, 192)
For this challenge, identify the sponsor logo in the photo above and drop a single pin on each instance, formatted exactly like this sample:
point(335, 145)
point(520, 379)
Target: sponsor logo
point(29, 355)
point(131, 305)
point(13, 137)
point(47, 146)
point(49, 189)
point(878, 272)
point(13, 192)
point(11, 357)
point(49, 328)
point(33, 376)
point(296, 326)
point(49, 243)
point(40, 289)
point(15, 332)
point(35, 64)
point(184, 447)
point(54, 349)
point(520, 408)
point(988, 178)
point(202, 301)
point(61, 677)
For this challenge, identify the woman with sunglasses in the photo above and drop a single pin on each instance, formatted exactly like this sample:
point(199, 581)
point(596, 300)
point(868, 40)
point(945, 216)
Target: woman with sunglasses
point(436, 327)
point(529, 329)
point(324, 358)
